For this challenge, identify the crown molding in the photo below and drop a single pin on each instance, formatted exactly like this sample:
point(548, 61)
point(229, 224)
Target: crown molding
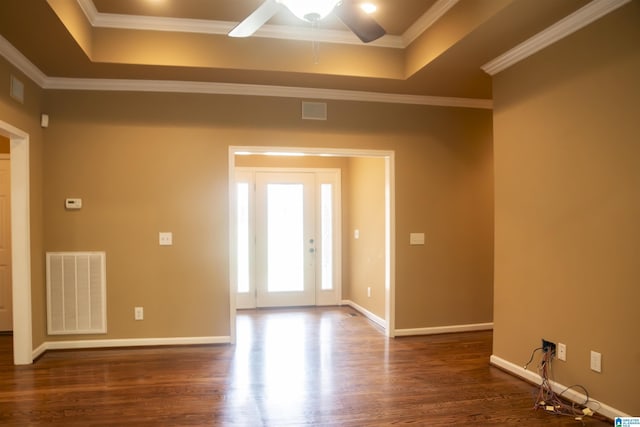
point(202, 26)
point(561, 29)
point(429, 18)
point(18, 60)
point(214, 88)
point(89, 10)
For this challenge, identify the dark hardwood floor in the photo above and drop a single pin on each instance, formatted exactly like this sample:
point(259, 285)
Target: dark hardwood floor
point(318, 366)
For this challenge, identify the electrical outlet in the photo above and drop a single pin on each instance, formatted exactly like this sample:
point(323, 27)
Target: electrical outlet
point(596, 361)
point(369, 291)
point(138, 313)
point(548, 346)
point(562, 351)
point(165, 238)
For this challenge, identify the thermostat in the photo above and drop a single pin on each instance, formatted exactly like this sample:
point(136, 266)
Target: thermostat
point(73, 203)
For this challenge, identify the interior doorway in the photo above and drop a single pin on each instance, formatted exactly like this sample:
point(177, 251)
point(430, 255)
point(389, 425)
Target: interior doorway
point(20, 244)
point(237, 152)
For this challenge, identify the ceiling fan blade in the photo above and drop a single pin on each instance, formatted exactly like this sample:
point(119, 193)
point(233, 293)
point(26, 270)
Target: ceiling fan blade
point(358, 21)
point(257, 19)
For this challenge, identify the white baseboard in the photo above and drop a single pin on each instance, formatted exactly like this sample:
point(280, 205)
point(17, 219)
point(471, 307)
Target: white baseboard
point(127, 342)
point(369, 315)
point(39, 351)
point(444, 329)
point(570, 394)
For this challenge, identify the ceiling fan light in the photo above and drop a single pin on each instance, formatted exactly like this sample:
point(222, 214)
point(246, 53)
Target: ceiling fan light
point(310, 10)
point(368, 8)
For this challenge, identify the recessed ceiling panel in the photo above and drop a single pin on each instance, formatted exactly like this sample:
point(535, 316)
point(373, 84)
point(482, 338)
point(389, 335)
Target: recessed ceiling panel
point(394, 15)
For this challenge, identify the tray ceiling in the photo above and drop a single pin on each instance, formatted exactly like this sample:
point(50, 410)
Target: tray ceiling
point(432, 47)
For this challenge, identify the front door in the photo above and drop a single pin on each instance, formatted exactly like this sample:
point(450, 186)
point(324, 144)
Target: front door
point(6, 303)
point(285, 239)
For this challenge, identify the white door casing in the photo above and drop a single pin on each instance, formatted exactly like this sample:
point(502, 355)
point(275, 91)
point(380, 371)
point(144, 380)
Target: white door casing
point(23, 352)
point(390, 229)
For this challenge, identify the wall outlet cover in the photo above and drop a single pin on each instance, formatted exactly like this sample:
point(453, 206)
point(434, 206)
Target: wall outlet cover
point(562, 351)
point(165, 238)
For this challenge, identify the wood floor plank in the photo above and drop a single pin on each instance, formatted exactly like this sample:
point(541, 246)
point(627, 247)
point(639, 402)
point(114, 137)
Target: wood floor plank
point(290, 367)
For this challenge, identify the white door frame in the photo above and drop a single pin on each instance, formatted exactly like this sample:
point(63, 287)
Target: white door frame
point(20, 244)
point(390, 232)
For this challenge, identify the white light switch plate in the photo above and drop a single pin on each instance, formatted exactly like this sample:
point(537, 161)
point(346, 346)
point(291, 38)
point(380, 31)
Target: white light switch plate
point(596, 361)
point(562, 351)
point(165, 238)
point(73, 203)
point(416, 239)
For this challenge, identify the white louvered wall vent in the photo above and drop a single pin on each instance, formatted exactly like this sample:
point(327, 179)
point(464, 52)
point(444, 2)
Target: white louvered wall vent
point(76, 293)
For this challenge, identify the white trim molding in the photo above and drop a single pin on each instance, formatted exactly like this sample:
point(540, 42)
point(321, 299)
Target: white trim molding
point(128, 342)
point(21, 62)
point(203, 26)
point(368, 314)
point(561, 29)
point(429, 18)
point(20, 243)
point(570, 394)
point(390, 284)
point(444, 329)
point(261, 90)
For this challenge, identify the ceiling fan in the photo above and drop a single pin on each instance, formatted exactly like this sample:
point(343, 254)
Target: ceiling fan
point(356, 19)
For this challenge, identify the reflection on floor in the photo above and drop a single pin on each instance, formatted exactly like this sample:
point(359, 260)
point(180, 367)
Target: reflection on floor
point(290, 367)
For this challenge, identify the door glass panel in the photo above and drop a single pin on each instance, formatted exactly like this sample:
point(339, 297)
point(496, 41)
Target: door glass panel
point(242, 274)
point(285, 240)
point(326, 236)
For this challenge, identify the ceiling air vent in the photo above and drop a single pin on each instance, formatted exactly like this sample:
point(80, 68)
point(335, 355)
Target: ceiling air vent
point(17, 89)
point(314, 110)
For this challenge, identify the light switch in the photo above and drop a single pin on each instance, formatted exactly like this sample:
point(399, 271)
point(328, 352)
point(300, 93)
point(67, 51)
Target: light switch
point(416, 239)
point(73, 203)
point(166, 238)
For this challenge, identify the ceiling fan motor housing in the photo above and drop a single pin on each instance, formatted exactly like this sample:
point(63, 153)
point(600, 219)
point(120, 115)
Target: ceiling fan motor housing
point(310, 10)
point(356, 19)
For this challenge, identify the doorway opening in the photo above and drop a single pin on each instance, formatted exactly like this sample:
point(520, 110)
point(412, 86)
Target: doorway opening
point(237, 192)
point(20, 244)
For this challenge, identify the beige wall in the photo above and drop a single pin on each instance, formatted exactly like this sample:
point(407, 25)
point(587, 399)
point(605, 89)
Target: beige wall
point(445, 191)
point(567, 234)
point(367, 215)
point(26, 117)
point(146, 162)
